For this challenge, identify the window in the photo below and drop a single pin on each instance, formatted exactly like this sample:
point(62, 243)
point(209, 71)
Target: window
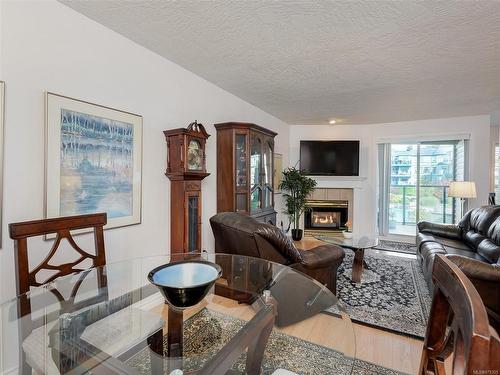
point(497, 172)
point(414, 183)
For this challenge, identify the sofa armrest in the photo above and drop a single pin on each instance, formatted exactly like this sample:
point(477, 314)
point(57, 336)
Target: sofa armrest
point(322, 256)
point(476, 269)
point(450, 231)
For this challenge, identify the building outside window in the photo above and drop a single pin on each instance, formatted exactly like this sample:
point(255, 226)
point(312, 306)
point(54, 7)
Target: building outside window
point(414, 184)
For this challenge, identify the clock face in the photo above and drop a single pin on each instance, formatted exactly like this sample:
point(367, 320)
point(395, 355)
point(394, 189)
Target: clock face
point(194, 156)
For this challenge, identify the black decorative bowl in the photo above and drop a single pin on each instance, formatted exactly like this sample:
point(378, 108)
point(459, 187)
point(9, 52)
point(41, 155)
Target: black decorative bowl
point(185, 283)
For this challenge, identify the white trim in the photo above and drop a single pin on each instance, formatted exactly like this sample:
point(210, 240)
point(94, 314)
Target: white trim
point(339, 182)
point(424, 138)
point(338, 178)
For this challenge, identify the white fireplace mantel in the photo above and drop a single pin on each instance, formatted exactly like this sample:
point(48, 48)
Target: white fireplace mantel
point(340, 182)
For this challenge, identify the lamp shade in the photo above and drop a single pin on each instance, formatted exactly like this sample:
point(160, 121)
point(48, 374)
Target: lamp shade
point(462, 189)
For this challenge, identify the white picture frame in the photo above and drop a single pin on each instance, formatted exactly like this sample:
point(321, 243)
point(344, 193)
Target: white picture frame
point(93, 161)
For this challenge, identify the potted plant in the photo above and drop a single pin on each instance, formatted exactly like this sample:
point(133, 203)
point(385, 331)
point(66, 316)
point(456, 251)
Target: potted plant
point(348, 229)
point(296, 187)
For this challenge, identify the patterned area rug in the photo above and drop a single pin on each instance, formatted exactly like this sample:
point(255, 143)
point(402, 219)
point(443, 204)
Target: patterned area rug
point(392, 295)
point(396, 246)
point(206, 332)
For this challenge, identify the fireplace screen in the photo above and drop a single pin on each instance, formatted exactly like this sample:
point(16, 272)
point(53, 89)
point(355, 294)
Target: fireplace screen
point(328, 219)
point(325, 215)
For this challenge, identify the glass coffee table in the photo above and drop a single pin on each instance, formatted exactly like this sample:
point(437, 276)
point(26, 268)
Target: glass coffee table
point(111, 320)
point(356, 244)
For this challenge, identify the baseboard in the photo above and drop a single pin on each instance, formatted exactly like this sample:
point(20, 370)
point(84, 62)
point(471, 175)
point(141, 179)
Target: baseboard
point(399, 238)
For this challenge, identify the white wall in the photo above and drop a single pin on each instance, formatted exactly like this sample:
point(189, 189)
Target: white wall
point(46, 46)
point(494, 138)
point(365, 205)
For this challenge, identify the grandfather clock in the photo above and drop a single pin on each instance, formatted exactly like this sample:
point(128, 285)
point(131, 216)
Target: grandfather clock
point(186, 167)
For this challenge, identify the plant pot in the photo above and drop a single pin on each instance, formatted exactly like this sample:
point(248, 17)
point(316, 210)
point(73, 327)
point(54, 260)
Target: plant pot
point(296, 234)
point(347, 234)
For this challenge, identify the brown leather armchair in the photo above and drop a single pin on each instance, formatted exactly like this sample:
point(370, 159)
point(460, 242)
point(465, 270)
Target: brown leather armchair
point(242, 235)
point(474, 246)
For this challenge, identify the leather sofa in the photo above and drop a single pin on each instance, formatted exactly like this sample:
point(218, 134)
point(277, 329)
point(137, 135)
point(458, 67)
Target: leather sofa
point(474, 245)
point(242, 235)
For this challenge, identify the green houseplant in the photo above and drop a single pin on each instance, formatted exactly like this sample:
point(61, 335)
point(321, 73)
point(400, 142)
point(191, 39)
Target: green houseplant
point(296, 187)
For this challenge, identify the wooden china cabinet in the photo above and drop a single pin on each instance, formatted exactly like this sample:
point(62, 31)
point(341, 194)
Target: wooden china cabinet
point(186, 167)
point(245, 167)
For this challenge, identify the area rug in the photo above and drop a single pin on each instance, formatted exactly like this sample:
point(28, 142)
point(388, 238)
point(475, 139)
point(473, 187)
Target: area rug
point(208, 331)
point(392, 295)
point(396, 246)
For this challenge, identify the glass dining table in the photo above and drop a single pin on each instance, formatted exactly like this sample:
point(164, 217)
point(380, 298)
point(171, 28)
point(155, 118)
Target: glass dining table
point(258, 317)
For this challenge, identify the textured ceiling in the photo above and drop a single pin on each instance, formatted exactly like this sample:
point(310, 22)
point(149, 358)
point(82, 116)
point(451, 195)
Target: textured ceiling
point(306, 62)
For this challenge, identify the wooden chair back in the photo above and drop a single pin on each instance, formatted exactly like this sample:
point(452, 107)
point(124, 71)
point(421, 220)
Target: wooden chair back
point(26, 278)
point(458, 336)
point(61, 227)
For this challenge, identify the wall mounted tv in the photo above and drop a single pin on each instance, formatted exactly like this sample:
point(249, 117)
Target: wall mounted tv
point(330, 158)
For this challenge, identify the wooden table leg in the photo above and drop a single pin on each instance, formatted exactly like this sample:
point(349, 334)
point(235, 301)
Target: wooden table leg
point(174, 334)
point(357, 265)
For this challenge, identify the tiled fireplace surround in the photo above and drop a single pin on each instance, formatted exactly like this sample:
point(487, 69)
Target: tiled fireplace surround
point(330, 209)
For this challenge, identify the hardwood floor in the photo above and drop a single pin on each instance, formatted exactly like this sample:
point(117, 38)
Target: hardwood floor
point(388, 349)
point(373, 345)
point(377, 346)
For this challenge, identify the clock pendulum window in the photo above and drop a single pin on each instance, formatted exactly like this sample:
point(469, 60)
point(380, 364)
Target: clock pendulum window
point(186, 168)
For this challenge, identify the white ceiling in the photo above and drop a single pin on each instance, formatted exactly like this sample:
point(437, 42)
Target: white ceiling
point(306, 62)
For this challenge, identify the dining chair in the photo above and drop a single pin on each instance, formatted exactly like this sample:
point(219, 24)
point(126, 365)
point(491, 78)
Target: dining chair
point(459, 337)
point(36, 353)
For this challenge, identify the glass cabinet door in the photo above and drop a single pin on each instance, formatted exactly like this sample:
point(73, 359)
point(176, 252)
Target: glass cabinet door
point(268, 174)
point(241, 161)
point(255, 173)
point(193, 228)
point(241, 172)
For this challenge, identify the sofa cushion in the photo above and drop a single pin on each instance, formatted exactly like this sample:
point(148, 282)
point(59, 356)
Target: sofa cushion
point(225, 243)
point(430, 248)
point(454, 244)
point(446, 242)
point(282, 243)
point(494, 231)
point(489, 250)
point(322, 256)
point(473, 239)
point(427, 252)
point(480, 219)
point(466, 254)
point(424, 237)
point(442, 230)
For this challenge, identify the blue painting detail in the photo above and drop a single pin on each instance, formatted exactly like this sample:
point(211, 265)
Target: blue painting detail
point(96, 165)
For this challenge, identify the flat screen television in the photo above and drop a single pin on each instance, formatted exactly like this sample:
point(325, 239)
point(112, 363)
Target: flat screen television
point(330, 158)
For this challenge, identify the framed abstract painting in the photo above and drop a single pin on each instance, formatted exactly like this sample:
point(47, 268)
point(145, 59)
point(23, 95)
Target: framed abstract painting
point(93, 161)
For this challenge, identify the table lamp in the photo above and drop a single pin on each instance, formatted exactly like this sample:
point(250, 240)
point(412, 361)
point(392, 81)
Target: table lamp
point(463, 190)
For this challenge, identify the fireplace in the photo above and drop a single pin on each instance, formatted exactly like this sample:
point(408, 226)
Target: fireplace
point(324, 216)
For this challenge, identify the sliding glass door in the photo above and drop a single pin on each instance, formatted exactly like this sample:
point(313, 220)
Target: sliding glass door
point(415, 184)
point(403, 188)
point(437, 170)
